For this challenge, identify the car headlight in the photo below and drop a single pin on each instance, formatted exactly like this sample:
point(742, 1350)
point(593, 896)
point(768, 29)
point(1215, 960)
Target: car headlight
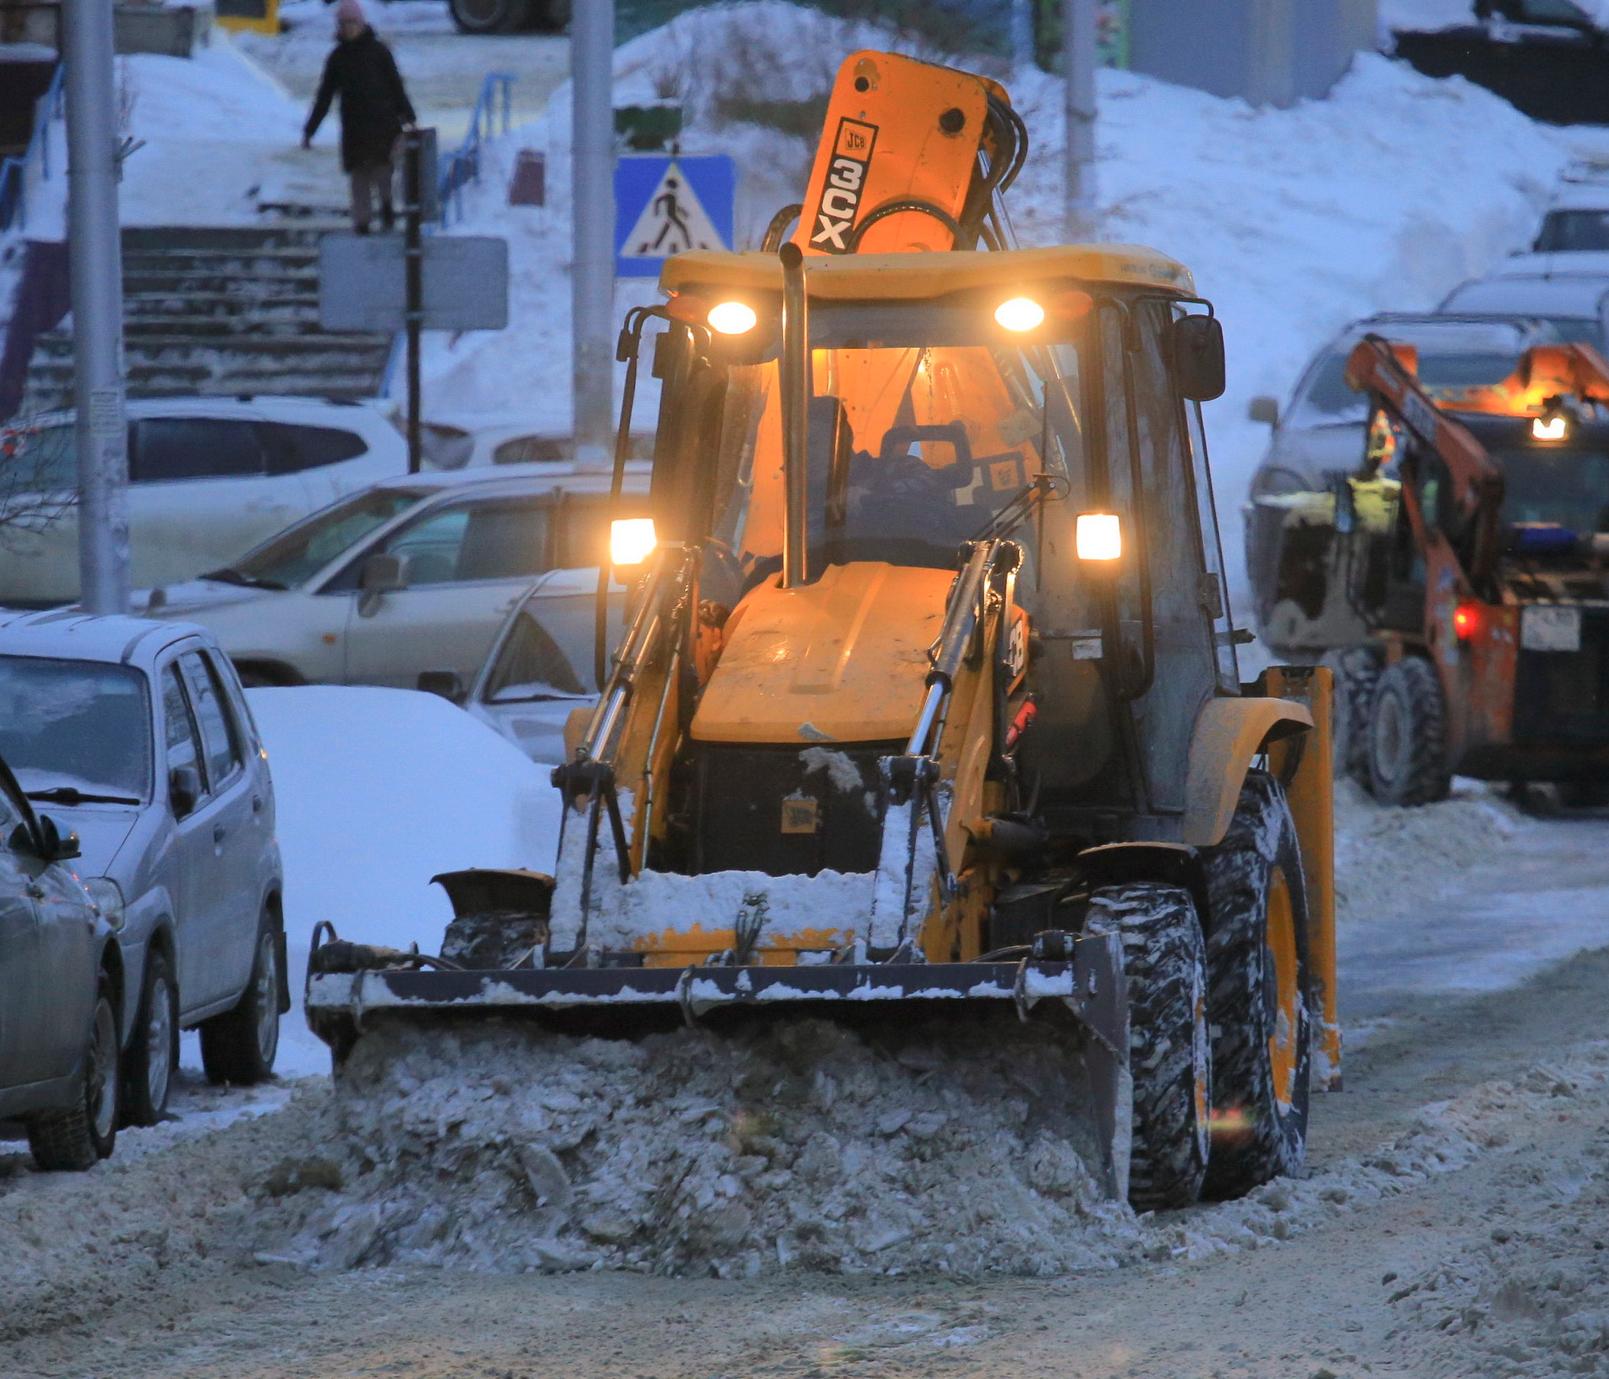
point(107, 896)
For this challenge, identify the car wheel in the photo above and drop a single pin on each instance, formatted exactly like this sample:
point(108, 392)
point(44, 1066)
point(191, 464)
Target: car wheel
point(152, 1052)
point(79, 1137)
point(238, 1046)
point(489, 16)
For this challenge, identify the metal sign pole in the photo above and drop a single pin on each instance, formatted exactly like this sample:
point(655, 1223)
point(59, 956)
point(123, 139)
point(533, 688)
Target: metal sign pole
point(97, 302)
point(1079, 30)
point(592, 282)
point(413, 265)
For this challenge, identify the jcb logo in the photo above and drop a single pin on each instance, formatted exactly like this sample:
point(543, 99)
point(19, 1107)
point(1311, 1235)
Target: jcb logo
point(846, 180)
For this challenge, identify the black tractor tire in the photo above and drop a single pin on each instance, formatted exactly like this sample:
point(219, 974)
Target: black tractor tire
point(238, 1047)
point(1355, 672)
point(490, 16)
point(1170, 1058)
point(81, 1136)
point(1262, 1038)
point(1408, 735)
point(153, 1049)
point(1584, 794)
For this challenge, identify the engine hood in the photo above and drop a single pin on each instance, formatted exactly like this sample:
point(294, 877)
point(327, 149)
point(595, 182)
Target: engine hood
point(192, 595)
point(840, 660)
point(101, 829)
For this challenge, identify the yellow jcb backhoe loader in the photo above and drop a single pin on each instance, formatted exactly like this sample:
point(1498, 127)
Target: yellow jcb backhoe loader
point(928, 697)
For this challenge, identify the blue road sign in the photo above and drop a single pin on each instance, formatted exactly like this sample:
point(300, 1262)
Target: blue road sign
point(666, 206)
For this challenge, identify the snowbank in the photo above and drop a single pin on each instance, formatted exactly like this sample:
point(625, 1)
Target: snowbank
point(376, 791)
point(1383, 195)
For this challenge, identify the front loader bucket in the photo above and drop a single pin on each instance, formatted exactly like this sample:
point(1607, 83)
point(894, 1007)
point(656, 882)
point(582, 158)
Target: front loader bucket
point(351, 989)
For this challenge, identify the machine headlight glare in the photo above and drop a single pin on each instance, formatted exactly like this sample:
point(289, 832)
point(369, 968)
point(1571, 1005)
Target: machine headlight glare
point(732, 318)
point(1019, 314)
point(1099, 536)
point(1550, 428)
point(631, 540)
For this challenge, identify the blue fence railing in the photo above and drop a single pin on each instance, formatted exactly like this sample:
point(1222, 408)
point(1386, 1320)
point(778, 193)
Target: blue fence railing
point(493, 115)
point(15, 170)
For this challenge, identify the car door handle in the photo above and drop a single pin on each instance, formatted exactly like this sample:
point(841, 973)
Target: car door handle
point(256, 804)
point(217, 833)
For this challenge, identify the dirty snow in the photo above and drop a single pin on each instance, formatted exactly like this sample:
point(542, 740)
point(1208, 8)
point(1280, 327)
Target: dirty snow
point(940, 1149)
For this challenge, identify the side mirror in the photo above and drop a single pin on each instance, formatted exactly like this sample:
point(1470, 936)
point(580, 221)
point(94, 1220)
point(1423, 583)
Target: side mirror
point(383, 573)
point(1198, 357)
point(1264, 409)
point(449, 684)
point(380, 575)
point(53, 847)
point(184, 789)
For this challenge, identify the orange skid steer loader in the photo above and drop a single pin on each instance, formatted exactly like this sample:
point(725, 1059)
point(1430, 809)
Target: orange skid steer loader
point(928, 696)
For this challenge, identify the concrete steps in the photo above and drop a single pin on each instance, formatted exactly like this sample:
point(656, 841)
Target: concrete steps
point(221, 310)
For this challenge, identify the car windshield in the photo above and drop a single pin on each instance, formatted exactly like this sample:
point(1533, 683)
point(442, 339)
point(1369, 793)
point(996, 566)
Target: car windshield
point(530, 665)
point(926, 421)
point(1573, 231)
point(1329, 399)
point(75, 727)
point(301, 551)
point(1569, 488)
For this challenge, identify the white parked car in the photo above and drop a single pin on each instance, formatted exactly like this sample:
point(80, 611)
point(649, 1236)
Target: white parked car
point(208, 478)
point(1575, 305)
point(414, 574)
point(542, 664)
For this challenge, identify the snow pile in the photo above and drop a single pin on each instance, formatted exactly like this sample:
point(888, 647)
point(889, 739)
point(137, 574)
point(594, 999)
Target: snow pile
point(1391, 861)
point(376, 791)
point(952, 1147)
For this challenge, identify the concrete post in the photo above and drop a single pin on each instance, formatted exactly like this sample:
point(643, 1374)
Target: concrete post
point(1078, 74)
point(592, 281)
point(96, 266)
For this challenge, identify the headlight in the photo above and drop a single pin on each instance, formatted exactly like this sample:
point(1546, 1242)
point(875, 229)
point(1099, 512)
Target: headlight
point(1019, 314)
point(631, 540)
point(107, 897)
point(1098, 536)
point(732, 318)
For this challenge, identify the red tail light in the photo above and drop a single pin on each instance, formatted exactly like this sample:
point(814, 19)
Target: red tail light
point(1466, 619)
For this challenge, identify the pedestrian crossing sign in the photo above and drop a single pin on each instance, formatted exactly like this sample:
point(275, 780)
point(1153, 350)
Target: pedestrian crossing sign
point(666, 206)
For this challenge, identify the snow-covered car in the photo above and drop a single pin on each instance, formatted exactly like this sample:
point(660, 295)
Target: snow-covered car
point(1320, 431)
point(60, 990)
point(415, 574)
point(1576, 306)
point(1577, 220)
point(137, 736)
point(208, 478)
point(541, 665)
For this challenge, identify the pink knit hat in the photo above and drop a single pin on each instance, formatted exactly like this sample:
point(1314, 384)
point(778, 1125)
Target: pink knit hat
point(349, 10)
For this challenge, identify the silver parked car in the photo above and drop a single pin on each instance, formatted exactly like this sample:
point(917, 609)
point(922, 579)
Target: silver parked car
point(1576, 306)
point(541, 667)
point(411, 575)
point(137, 736)
point(61, 986)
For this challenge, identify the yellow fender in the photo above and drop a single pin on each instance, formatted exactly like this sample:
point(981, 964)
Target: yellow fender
point(1228, 734)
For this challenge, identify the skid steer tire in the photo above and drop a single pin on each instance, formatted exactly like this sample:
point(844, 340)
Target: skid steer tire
point(1257, 975)
point(1408, 735)
point(1170, 1059)
point(1356, 672)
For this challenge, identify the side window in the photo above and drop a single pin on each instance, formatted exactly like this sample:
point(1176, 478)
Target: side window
point(194, 448)
point(220, 736)
point(496, 539)
point(526, 449)
point(248, 737)
point(291, 449)
point(183, 741)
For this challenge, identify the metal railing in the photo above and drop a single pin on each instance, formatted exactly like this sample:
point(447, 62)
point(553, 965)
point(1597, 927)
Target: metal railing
point(15, 170)
point(493, 114)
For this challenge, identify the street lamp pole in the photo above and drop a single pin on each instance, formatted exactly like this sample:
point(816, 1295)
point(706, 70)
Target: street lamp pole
point(96, 265)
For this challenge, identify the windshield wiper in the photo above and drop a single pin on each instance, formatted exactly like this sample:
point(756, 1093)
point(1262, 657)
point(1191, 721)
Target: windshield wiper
point(71, 794)
point(229, 575)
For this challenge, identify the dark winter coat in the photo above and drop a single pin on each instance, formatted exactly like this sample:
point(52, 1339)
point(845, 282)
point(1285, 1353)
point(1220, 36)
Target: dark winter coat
point(374, 107)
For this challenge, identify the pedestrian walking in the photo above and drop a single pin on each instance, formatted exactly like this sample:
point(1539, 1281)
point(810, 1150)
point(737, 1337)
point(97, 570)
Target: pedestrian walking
point(374, 111)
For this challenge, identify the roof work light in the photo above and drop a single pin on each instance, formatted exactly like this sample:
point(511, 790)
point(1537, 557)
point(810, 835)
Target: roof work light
point(1098, 536)
point(631, 540)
